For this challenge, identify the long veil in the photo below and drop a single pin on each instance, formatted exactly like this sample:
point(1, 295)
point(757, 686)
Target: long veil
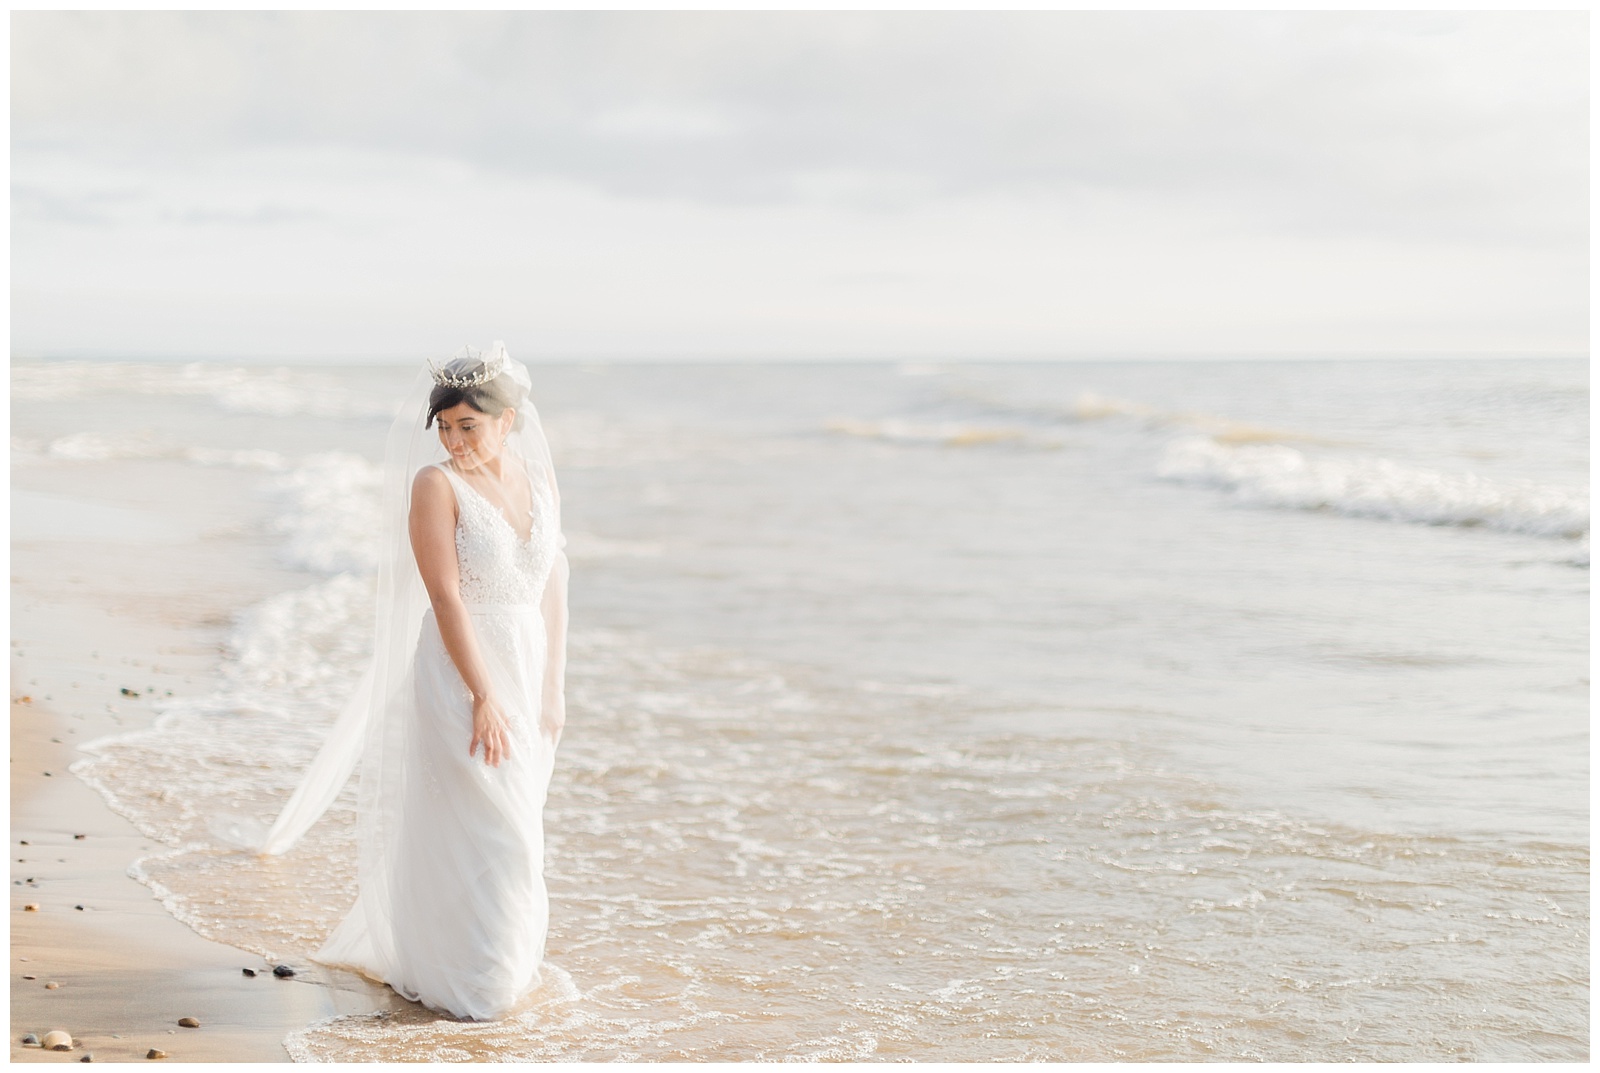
point(369, 729)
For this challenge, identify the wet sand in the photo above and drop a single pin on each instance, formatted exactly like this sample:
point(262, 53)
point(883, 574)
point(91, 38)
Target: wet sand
point(91, 617)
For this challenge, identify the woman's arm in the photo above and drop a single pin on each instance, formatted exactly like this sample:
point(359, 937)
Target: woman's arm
point(433, 542)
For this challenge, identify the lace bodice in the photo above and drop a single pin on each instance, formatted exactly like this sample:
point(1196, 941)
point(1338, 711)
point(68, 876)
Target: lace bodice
point(496, 567)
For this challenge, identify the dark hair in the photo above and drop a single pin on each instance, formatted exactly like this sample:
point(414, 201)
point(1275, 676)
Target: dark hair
point(491, 397)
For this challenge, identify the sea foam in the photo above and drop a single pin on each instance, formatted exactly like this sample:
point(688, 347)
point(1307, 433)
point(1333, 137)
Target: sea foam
point(111, 447)
point(1364, 486)
point(279, 391)
point(331, 517)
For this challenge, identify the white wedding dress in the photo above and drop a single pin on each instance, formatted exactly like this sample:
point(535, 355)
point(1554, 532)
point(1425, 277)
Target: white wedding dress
point(455, 913)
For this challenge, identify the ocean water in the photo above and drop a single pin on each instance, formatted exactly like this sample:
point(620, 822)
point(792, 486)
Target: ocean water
point(1178, 710)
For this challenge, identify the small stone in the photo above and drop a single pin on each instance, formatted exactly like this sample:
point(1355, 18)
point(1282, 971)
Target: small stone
point(250, 973)
point(155, 1053)
point(24, 842)
point(47, 775)
point(87, 1058)
point(188, 1022)
point(31, 907)
point(30, 1040)
point(283, 972)
point(80, 838)
point(51, 986)
point(30, 977)
point(56, 1040)
point(78, 907)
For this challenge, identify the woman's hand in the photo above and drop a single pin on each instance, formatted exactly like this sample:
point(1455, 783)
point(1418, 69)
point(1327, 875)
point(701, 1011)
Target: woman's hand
point(551, 719)
point(489, 727)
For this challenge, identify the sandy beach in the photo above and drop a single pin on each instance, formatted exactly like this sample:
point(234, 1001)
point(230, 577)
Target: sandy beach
point(102, 631)
point(1180, 746)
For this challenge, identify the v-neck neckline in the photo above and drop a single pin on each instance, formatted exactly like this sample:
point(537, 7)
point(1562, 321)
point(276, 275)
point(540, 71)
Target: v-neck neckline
point(495, 508)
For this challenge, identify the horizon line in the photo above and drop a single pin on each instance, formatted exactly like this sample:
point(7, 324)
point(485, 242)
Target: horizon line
point(623, 358)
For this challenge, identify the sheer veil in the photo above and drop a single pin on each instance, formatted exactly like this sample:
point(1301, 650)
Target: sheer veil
point(370, 728)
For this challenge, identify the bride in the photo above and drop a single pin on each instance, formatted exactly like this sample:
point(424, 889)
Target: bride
point(456, 722)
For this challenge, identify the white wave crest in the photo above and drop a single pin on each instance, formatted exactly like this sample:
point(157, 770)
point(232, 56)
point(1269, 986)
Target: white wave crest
point(309, 641)
point(943, 434)
point(1279, 476)
point(332, 520)
point(241, 389)
point(107, 447)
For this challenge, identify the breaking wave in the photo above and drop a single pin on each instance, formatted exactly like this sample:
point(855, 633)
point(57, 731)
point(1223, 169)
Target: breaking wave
point(1276, 475)
point(944, 434)
point(273, 391)
point(107, 447)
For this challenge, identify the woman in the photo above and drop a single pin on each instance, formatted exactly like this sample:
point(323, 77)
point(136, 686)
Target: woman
point(456, 721)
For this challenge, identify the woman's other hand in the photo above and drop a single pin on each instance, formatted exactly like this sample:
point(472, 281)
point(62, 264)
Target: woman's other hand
point(490, 729)
point(551, 720)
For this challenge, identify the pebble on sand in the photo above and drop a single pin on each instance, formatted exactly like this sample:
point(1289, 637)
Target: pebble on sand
point(250, 972)
point(283, 972)
point(80, 837)
point(31, 907)
point(56, 1040)
point(51, 986)
point(188, 1022)
point(87, 1058)
point(155, 1053)
point(30, 1040)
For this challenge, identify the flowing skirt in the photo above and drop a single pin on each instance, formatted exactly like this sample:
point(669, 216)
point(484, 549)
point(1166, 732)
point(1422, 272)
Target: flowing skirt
point(452, 910)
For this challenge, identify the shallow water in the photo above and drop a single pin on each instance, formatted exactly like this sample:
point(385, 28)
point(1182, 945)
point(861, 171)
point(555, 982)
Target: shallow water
point(1160, 711)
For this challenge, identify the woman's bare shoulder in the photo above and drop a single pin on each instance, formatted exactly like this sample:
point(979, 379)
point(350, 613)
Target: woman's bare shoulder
point(430, 475)
point(431, 486)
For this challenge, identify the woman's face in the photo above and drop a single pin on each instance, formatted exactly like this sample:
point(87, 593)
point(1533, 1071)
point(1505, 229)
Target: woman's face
point(471, 436)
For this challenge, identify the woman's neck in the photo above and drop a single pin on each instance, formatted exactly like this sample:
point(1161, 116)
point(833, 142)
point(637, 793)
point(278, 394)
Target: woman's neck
point(494, 468)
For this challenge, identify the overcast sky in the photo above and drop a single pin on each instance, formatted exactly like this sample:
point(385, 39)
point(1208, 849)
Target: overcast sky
point(928, 185)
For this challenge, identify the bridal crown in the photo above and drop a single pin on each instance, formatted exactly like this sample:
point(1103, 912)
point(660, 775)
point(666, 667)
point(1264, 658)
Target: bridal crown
point(490, 369)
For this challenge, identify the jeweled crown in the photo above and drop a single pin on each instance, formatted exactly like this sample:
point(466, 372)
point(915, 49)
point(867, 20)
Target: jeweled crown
point(490, 369)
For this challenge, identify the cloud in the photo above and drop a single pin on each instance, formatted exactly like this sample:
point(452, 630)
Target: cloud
point(259, 216)
point(722, 183)
point(39, 204)
point(652, 122)
point(1417, 121)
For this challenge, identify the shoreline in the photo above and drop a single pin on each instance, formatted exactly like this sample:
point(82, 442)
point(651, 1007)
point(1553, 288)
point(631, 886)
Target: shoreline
point(103, 631)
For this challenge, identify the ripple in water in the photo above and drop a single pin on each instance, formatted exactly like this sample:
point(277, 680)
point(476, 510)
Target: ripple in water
point(746, 864)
